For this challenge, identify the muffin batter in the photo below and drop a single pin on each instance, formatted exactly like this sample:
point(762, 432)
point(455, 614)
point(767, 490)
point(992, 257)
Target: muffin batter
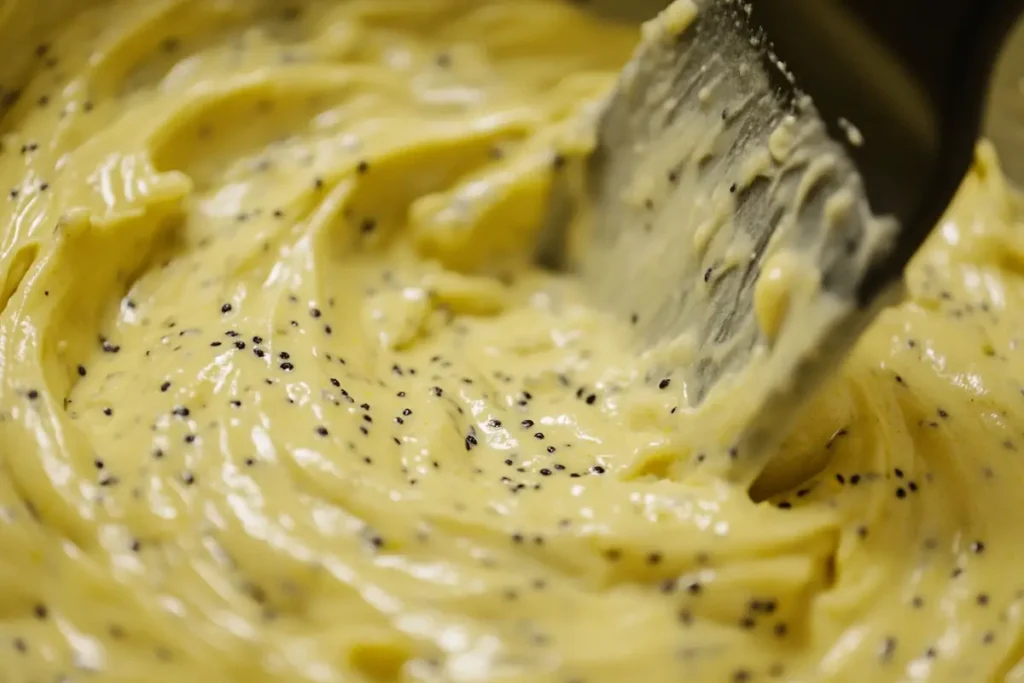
point(283, 399)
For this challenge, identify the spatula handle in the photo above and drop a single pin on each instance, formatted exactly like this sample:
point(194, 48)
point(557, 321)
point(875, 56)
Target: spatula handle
point(911, 75)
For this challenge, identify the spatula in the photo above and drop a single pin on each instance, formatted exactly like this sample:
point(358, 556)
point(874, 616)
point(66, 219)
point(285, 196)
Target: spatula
point(764, 172)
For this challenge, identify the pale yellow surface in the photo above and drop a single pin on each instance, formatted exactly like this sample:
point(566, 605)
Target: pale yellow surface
point(282, 401)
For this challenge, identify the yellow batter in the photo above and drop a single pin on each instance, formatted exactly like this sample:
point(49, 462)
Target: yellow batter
point(279, 406)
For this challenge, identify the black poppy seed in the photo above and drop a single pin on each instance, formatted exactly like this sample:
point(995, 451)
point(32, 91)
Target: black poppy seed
point(840, 478)
point(526, 424)
point(551, 449)
point(32, 394)
point(235, 403)
point(901, 493)
point(41, 611)
point(225, 308)
point(545, 472)
point(364, 406)
point(977, 547)
point(321, 430)
point(597, 469)
point(240, 345)
point(654, 558)
point(663, 384)
point(912, 486)
point(854, 479)
point(82, 371)
point(982, 599)
point(888, 648)
point(190, 438)
point(181, 411)
point(591, 399)
point(490, 423)
point(108, 411)
point(188, 478)
point(539, 436)
point(287, 367)
point(747, 623)
point(215, 344)
point(898, 472)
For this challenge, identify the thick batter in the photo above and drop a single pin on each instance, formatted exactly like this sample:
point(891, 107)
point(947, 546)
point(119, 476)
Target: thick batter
point(278, 404)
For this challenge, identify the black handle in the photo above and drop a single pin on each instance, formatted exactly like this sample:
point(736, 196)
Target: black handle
point(911, 75)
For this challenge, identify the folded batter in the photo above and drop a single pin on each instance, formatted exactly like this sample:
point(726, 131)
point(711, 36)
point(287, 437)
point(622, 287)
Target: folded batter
point(283, 400)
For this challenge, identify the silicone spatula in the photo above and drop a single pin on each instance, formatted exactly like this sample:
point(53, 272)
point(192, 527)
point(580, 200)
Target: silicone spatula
point(764, 171)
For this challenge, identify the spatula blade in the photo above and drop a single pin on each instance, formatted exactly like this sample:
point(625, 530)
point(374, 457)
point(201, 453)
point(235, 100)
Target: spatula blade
point(728, 227)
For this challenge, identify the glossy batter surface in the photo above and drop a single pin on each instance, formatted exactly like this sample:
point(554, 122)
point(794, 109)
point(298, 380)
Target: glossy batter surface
point(283, 400)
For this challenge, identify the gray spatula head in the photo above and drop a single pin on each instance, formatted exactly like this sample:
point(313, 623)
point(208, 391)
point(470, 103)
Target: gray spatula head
point(729, 228)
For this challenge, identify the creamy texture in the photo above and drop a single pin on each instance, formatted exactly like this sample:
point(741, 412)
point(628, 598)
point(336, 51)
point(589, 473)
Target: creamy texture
point(284, 401)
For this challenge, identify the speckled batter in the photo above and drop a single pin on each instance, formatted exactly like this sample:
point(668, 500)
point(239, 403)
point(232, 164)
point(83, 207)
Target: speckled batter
point(283, 401)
